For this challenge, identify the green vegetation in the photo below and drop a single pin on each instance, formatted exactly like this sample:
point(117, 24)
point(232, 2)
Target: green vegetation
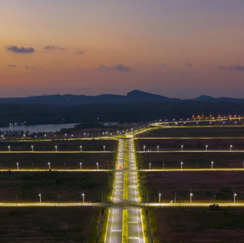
point(125, 226)
point(68, 186)
point(224, 225)
point(62, 145)
point(195, 132)
point(125, 188)
point(104, 226)
point(46, 225)
point(213, 187)
point(191, 160)
point(58, 161)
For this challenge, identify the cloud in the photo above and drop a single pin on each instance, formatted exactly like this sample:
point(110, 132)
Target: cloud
point(118, 67)
point(12, 66)
point(238, 68)
point(80, 52)
point(32, 67)
point(103, 67)
point(57, 48)
point(189, 64)
point(23, 50)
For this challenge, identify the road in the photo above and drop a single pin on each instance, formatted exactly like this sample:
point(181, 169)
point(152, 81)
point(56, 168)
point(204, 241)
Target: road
point(187, 138)
point(192, 170)
point(125, 193)
point(57, 152)
point(56, 170)
point(135, 224)
point(114, 229)
point(206, 204)
point(192, 151)
point(49, 204)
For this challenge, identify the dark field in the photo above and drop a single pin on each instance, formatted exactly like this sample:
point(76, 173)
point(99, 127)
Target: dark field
point(203, 185)
point(190, 160)
point(196, 132)
point(48, 225)
point(198, 225)
point(69, 186)
point(62, 145)
point(58, 161)
point(189, 144)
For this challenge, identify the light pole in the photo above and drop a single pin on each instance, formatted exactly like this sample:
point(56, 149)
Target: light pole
point(181, 165)
point(56, 148)
point(235, 197)
point(80, 148)
point(182, 147)
point(212, 163)
point(157, 148)
point(104, 148)
point(150, 166)
point(144, 148)
point(17, 165)
point(40, 196)
point(191, 194)
point(8, 148)
point(231, 147)
point(83, 196)
point(32, 148)
point(80, 165)
point(59, 200)
point(159, 197)
point(206, 147)
point(97, 165)
point(49, 165)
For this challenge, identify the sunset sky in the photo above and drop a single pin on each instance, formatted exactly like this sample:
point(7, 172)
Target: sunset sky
point(176, 48)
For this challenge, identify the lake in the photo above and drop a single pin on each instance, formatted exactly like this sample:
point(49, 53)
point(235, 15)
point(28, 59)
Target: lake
point(39, 128)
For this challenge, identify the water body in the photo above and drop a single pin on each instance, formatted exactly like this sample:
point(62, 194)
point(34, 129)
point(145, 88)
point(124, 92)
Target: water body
point(39, 128)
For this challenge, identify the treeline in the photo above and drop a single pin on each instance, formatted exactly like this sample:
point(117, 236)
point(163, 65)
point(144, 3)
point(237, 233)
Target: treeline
point(129, 112)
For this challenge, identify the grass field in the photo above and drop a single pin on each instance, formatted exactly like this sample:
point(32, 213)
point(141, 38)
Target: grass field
point(189, 144)
point(190, 160)
point(48, 225)
point(69, 186)
point(62, 145)
point(177, 225)
point(58, 161)
point(196, 132)
point(205, 186)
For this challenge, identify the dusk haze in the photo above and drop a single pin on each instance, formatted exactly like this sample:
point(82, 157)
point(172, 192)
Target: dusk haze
point(174, 48)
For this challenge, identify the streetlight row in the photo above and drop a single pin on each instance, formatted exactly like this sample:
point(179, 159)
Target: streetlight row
point(182, 163)
point(182, 148)
point(191, 195)
point(49, 165)
point(56, 148)
point(40, 197)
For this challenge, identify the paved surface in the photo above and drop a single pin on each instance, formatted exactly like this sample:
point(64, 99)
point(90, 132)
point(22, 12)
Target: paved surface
point(57, 170)
point(55, 204)
point(57, 152)
point(191, 170)
point(135, 225)
point(186, 138)
point(119, 196)
point(191, 151)
point(114, 230)
point(193, 204)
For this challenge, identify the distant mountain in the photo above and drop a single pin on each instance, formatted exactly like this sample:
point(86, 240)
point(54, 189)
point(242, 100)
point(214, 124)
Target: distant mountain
point(68, 99)
point(134, 96)
point(204, 98)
